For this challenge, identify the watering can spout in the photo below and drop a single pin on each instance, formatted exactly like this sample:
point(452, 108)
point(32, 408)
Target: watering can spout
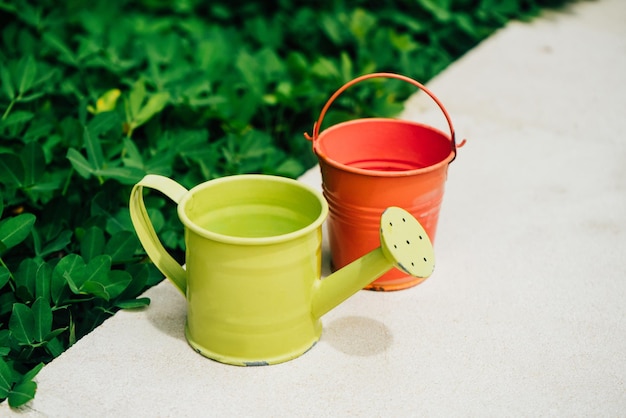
point(404, 244)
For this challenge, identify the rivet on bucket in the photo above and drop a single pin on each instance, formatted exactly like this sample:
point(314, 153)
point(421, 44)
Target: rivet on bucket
point(368, 165)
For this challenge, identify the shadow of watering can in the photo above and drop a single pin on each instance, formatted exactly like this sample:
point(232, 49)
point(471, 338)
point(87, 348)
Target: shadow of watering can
point(253, 263)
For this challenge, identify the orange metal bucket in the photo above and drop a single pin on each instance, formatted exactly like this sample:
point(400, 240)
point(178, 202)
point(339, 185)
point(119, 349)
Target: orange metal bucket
point(370, 164)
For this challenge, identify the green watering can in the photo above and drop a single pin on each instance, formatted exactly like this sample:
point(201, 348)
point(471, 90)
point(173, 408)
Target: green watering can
point(252, 277)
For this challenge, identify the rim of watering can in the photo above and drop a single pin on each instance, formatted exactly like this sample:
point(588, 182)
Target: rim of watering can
point(318, 124)
point(264, 240)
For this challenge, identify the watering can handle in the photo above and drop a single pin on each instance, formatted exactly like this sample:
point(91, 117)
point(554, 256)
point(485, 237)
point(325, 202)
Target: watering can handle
point(316, 126)
point(145, 231)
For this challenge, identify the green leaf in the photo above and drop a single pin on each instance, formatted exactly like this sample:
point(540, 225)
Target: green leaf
point(57, 244)
point(131, 155)
point(121, 247)
point(72, 336)
point(247, 66)
point(43, 281)
point(11, 170)
point(58, 290)
point(253, 144)
point(15, 230)
point(120, 221)
point(22, 393)
point(94, 288)
point(30, 375)
point(333, 28)
point(54, 346)
point(361, 23)
point(34, 162)
point(7, 378)
point(133, 304)
point(52, 335)
point(43, 319)
point(465, 22)
point(140, 274)
point(5, 336)
point(7, 300)
point(135, 99)
point(98, 268)
point(290, 168)
point(80, 163)
point(71, 266)
point(155, 104)
point(324, 67)
point(104, 122)
point(25, 276)
point(5, 274)
point(92, 243)
point(117, 282)
point(94, 149)
point(17, 117)
point(22, 324)
point(71, 283)
point(438, 10)
point(403, 42)
point(346, 66)
point(66, 53)
point(32, 96)
point(29, 14)
point(125, 175)
point(28, 71)
point(7, 83)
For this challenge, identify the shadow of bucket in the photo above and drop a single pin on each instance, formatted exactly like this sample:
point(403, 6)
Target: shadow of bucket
point(370, 164)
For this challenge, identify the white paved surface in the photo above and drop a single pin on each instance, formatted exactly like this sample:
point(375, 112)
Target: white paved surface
point(526, 312)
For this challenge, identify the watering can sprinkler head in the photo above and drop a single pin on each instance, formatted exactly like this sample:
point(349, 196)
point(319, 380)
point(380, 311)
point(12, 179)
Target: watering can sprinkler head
point(404, 244)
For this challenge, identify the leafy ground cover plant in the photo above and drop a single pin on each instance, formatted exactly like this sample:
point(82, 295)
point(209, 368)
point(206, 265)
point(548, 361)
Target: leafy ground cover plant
point(95, 94)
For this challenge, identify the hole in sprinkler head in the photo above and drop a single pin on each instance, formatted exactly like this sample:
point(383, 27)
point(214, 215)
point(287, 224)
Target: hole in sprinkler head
point(425, 260)
point(403, 220)
point(390, 224)
point(413, 264)
point(407, 241)
point(420, 237)
point(395, 246)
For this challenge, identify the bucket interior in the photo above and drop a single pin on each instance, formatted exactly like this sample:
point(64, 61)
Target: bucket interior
point(383, 145)
point(251, 207)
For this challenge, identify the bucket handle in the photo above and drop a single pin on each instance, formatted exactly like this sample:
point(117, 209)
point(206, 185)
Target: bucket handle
point(316, 125)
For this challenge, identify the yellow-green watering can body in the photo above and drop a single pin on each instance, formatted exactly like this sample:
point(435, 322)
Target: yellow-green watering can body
point(253, 265)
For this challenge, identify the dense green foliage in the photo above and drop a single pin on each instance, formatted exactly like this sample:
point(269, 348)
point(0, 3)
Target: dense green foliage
point(95, 94)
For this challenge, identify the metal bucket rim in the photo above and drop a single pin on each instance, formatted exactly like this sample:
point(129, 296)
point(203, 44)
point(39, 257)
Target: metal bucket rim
point(317, 145)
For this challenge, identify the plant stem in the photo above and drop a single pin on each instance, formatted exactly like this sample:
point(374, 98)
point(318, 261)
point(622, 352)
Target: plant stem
point(67, 182)
point(8, 110)
point(3, 264)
